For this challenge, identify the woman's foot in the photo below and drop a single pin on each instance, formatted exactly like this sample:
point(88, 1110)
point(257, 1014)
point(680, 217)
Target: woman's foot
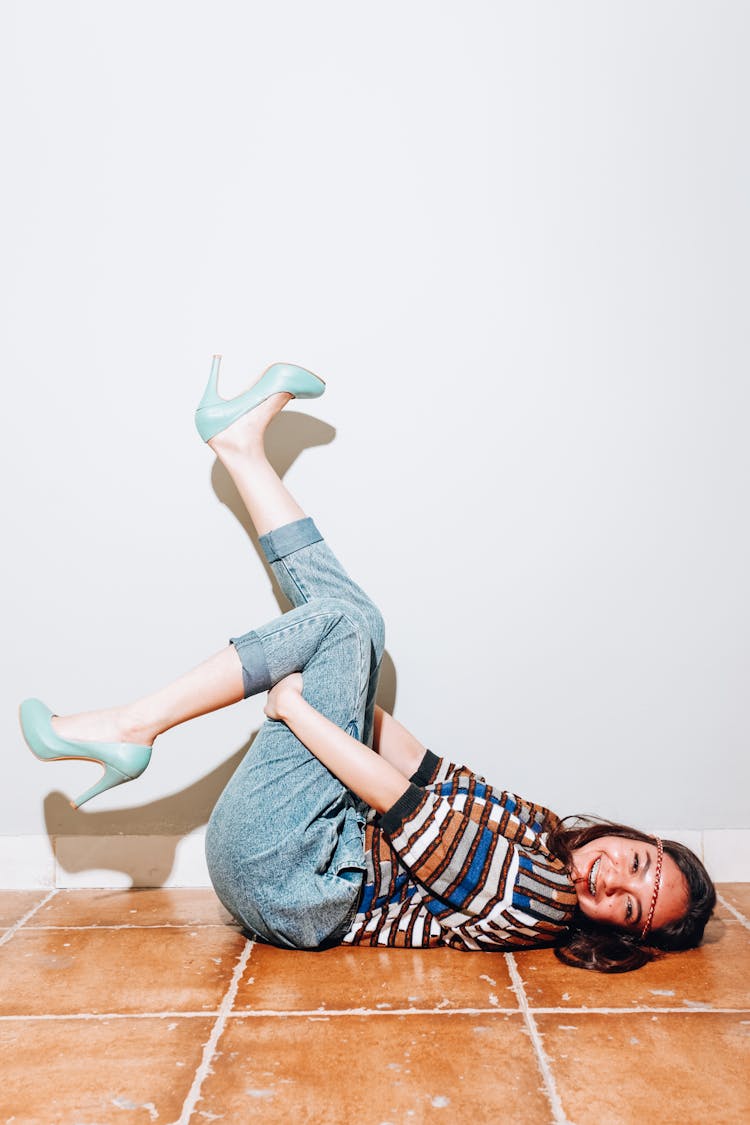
point(121, 759)
point(215, 414)
point(245, 435)
point(113, 724)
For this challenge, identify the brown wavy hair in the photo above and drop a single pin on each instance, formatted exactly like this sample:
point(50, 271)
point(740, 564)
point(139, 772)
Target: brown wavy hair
point(608, 949)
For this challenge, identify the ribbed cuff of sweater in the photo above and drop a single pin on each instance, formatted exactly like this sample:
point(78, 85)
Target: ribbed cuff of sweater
point(405, 806)
point(427, 769)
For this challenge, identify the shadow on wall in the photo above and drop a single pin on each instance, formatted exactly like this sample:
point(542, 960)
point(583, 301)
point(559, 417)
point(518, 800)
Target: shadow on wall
point(180, 813)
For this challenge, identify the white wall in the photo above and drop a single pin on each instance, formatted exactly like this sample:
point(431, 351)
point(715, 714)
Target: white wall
point(514, 241)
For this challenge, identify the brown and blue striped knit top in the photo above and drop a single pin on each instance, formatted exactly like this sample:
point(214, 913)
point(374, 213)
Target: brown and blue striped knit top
point(457, 863)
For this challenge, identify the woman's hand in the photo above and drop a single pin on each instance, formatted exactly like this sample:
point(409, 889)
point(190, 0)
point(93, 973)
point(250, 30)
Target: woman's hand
point(357, 767)
point(283, 693)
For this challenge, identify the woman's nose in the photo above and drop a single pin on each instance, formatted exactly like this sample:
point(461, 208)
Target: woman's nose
point(616, 881)
point(613, 882)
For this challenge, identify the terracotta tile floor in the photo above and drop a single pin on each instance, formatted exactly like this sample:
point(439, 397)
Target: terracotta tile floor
point(150, 1006)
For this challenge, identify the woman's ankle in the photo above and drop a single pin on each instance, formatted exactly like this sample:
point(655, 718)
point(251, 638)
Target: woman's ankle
point(112, 724)
point(137, 728)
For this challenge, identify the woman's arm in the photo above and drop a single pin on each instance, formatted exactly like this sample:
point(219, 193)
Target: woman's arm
point(396, 744)
point(373, 778)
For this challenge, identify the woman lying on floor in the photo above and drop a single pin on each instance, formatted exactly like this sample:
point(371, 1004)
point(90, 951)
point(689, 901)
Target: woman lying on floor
point(339, 826)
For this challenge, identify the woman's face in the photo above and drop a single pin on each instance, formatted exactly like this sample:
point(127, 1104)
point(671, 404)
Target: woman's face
point(614, 881)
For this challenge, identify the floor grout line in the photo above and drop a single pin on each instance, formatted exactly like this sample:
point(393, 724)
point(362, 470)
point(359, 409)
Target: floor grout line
point(739, 919)
point(486, 1011)
point(733, 909)
point(558, 1113)
point(204, 1067)
point(148, 926)
point(324, 1013)
point(29, 914)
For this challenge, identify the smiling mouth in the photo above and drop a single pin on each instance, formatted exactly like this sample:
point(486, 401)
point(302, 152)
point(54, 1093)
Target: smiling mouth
point(592, 876)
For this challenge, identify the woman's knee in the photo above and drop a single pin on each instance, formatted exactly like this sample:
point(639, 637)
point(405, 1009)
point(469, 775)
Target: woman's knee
point(365, 618)
point(346, 618)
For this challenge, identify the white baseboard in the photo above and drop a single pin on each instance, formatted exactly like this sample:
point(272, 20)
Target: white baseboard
point(179, 861)
point(103, 861)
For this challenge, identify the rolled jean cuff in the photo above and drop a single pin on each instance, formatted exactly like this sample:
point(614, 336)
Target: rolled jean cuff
point(255, 674)
point(291, 537)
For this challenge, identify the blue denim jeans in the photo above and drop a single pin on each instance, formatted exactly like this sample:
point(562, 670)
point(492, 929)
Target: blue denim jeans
point(285, 843)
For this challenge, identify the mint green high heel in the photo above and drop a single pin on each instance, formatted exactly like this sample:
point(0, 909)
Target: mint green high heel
point(214, 413)
point(122, 761)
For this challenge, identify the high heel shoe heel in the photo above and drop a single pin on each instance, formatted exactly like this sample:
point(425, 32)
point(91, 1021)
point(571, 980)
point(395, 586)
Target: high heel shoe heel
point(122, 761)
point(214, 413)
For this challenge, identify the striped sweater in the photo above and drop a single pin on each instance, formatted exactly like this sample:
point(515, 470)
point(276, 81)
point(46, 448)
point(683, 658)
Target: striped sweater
point(457, 863)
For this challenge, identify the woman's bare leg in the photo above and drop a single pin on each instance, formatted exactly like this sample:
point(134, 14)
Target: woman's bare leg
point(218, 681)
point(215, 683)
point(240, 449)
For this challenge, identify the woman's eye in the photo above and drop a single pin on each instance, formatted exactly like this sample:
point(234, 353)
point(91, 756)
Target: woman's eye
point(629, 910)
point(636, 862)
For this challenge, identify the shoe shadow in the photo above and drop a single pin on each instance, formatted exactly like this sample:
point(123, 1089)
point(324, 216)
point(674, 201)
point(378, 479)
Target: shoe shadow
point(173, 815)
point(84, 840)
point(74, 833)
